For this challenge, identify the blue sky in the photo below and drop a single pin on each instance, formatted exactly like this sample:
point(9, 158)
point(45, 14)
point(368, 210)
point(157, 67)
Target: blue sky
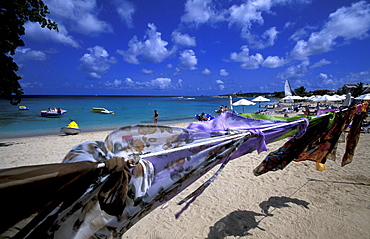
point(196, 47)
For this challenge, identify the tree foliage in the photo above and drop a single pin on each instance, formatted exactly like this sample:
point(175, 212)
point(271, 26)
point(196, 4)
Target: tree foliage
point(320, 92)
point(301, 91)
point(358, 90)
point(13, 15)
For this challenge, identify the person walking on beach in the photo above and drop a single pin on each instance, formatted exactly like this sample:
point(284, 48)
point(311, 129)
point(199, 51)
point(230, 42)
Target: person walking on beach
point(155, 117)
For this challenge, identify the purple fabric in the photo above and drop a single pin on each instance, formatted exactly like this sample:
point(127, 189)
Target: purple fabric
point(324, 111)
point(229, 121)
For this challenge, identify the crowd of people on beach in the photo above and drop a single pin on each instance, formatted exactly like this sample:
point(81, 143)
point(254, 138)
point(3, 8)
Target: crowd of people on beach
point(223, 108)
point(205, 117)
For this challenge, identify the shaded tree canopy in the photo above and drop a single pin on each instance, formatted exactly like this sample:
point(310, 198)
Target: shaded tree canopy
point(301, 91)
point(358, 90)
point(13, 15)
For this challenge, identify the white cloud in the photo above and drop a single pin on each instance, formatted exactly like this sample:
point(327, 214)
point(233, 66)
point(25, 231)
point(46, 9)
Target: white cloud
point(115, 84)
point(350, 22)
point(294, 72)
point(206, 71)
point(188, 60)
point(199, 11)
point(321, 63)
point(161, 83)
point(299, 34)
point(177, 71)
point(356, 77)
point(125, 10)
point(135, 84)
point(259, 42)
point(273, 62)
point(78, 15)
point(183, 39)
point(346, 23)
point(146, 71)
point(158, 83)
point(36, 85)
point(223, 72)
point(28, 54)
point(248, 61)
point(323, 76)
point(96, 62)
point(326, 80)
point(36, 33)
point(179, 84)
point(247, 13)
point(152, 50)
point(94, 75)
point(220, 84)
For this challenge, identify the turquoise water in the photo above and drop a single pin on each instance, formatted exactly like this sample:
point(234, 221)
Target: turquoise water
point(128, 110)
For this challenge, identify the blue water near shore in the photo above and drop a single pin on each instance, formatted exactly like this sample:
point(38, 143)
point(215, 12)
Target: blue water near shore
point(128, 110)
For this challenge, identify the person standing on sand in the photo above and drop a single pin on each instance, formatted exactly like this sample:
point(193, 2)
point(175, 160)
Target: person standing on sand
point(155, 117)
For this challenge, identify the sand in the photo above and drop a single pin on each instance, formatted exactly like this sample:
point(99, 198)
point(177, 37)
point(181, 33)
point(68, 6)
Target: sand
point(297, 202)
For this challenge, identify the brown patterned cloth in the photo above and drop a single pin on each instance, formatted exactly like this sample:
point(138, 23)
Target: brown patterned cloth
point(30, 193)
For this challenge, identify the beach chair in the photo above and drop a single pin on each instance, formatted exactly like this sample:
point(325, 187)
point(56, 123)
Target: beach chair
point(366, 126)
point(280, 111)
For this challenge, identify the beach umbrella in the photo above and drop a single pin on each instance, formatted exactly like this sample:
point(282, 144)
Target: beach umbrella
point(363, 97)
point(243, 102)
point(260, 99)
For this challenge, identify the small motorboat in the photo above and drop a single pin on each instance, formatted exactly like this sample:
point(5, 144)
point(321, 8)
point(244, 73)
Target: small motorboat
point(53, 113)
point(22, 107)
point(71, 129)
point(101, 110)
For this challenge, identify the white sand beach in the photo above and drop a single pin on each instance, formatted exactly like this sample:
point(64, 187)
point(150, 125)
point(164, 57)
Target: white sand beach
point(297, 202)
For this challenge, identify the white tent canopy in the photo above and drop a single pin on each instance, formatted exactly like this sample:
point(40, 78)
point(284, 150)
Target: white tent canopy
point(326, 98)
point(341, 97)
point(311, 98)
point(293, 97)
point(363, 97)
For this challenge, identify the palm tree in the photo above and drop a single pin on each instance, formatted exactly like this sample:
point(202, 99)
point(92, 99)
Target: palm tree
point(358, 90)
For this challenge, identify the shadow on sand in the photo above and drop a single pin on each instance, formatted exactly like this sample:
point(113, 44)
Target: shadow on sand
point(7, 144)
point(238, 223)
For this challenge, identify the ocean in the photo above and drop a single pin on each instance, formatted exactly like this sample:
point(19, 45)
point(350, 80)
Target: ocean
point(128, 110)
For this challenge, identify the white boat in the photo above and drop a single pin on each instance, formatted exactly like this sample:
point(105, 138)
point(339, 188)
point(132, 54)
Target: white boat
point(53, 113)
point(287, 88)
point(101, 110)
point(71, 129)
point(289, 97)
